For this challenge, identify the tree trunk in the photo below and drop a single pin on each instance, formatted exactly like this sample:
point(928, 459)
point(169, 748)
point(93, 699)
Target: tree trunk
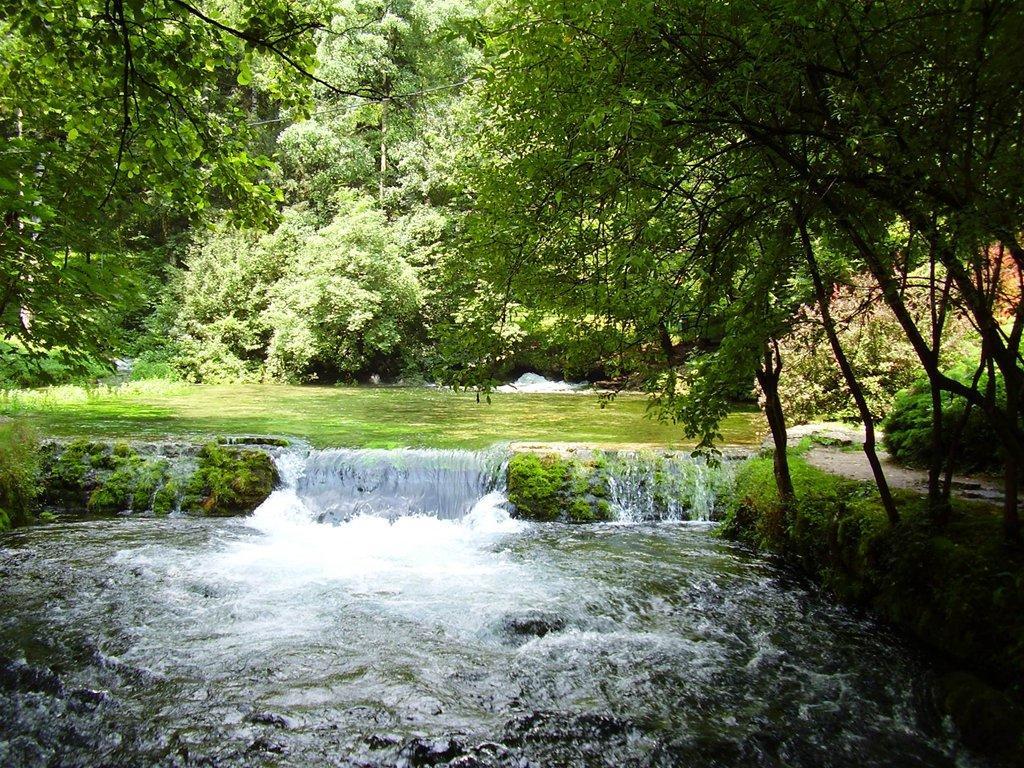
point(768, 379)
point(938, 504)
point(383, 149)
point(851, 381)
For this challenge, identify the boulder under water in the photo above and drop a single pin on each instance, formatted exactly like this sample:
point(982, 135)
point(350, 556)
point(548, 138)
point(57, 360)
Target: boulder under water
point(384, 608)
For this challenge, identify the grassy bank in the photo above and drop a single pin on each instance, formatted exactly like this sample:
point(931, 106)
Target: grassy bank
point(19, 473)
point(351, 416)
point(958, 590)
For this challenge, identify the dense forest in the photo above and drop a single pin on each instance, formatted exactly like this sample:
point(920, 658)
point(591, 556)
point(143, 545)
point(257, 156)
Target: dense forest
point(708, 203)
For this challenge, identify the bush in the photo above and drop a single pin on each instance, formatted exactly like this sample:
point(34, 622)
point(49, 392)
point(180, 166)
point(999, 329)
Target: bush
point(304, 303)
point(19, 368)
point(908, 428)
point(813, 387)
point(149, 367)
point(19, 474)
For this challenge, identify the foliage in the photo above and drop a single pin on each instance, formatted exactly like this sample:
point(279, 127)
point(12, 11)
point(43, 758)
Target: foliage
point(299, 304)
point(120, 120)
point(348, 302)
point(688, 178)
point(54, 366)
point(19, 473)
point(958, 590)
point(812, 386)
point(973, 442)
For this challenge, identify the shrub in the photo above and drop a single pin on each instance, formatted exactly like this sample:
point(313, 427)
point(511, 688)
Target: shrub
point(908, 428)
point(19, 474)
point(812, 386)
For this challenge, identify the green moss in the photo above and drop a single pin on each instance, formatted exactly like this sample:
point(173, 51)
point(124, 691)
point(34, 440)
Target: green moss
point(107, 479)
point(228, 481)
point(536, 485)
point(371, 417)
point(958, 590)
point(550, 488)
point(167, 498)
point(19, 474)
point(122, 450)
point(131, 486)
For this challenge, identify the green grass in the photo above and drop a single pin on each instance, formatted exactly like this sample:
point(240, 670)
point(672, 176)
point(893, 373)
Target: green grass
point(352, 416)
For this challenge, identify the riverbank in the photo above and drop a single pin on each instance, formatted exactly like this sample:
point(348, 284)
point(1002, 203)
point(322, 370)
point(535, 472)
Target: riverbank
point(958, 591)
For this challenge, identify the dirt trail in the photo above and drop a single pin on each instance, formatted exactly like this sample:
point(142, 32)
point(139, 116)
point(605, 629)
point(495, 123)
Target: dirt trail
point(846, 459)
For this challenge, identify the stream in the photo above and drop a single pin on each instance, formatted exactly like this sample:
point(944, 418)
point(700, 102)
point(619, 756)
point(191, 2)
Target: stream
point(382, 608)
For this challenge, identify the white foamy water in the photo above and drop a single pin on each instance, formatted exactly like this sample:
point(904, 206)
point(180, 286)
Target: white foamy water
point(382, 597)
point(450, 573)
point(534, 383)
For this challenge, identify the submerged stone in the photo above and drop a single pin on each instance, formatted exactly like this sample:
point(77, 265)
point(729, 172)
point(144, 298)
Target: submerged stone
point(519, 627)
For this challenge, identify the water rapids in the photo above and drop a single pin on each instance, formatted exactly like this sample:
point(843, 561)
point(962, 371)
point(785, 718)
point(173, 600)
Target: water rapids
point(384, 609)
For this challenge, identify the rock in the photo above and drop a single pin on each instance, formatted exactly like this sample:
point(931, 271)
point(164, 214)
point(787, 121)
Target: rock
point(426, 752)
point(18, 675)
point(90, 697)
point(107, 478)
point(229, 481)
point(988, 720)
point(381, 740)
point(522, 626)
point(262, 744)
point(550, 487)
point(272, 442)
point(271, 718)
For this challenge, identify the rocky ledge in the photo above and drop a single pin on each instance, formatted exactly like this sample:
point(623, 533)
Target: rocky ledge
point(99, 477)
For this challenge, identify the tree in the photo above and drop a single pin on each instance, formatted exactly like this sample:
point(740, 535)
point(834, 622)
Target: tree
point(120, 115)
point(866, 119)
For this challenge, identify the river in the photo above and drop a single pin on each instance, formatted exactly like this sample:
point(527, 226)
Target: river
point(383, 609)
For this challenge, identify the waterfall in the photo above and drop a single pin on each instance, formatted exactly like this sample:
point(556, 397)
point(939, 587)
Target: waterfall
point(340, 484)
point(647, 487)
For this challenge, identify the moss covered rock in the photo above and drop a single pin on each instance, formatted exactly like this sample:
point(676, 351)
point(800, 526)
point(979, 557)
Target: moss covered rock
point(229, 481)
point(988, 720)
point(549, 488)
point(115, 478)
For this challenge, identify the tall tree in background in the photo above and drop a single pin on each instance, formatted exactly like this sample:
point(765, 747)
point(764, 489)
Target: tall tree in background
point(116, 115)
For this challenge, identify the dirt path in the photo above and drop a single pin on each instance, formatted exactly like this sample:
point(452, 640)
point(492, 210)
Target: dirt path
point(848, 460)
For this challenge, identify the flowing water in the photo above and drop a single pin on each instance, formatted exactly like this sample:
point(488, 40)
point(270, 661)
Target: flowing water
point(383, 609)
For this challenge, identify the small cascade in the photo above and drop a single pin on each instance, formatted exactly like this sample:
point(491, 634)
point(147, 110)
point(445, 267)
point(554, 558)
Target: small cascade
point(647, 487)
point(340, 484)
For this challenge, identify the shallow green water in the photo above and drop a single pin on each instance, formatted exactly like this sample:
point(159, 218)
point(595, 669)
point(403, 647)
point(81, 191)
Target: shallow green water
point(358, 416)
